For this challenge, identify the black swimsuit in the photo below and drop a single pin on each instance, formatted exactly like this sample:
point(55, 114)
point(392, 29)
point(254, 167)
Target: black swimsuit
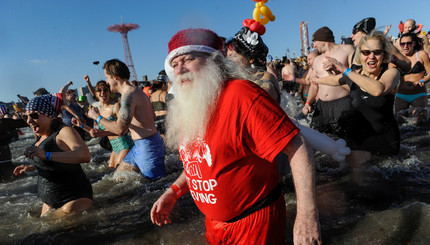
point(417, 68)
point(60, 183)
point(373, 126)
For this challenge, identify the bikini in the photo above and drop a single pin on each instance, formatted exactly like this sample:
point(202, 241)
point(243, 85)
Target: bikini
point(159, 105)
point(417, 68)
point(160, 120)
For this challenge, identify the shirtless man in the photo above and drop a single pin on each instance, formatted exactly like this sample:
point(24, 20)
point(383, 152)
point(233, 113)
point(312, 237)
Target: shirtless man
point(333, 103)
point(311, 90)
point(288, 75)
point(136, 114)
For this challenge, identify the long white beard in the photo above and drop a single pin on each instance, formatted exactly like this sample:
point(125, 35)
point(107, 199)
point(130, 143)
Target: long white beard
point(191, 109)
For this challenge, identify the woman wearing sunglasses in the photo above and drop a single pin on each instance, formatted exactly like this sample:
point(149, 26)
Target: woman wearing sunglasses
point(109, 108)
point(372, 128)
point(412, 90)
point(57, 154)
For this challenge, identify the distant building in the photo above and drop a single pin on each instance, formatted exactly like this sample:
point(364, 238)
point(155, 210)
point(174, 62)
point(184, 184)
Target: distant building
point(83, 91)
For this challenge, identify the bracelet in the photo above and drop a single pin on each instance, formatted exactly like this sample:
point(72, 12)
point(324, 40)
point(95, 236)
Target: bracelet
point(77, 116)
point(48, 156)
point(98, 119)
point(347, 71)
point(308, 103)
point(294, 80)
point(177, 190)
point(83, 125)
point(422, 81)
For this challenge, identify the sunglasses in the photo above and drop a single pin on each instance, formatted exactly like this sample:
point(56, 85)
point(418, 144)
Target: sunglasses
point(407, 43)
point(104, 90)
point(377, 52)
point(33, 116)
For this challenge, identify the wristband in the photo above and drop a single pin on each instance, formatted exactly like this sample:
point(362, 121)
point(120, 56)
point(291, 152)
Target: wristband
point(98, 119)
point(308, 103)
point(347, 71)
point(177, 190)
point(48, 156)
point(83, 125)
point(422, 81)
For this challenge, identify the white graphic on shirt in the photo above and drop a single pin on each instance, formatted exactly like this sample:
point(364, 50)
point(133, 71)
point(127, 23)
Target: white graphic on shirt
point(192, 156)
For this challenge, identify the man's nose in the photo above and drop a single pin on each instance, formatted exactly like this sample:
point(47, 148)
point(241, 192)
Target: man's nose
point(180, 68)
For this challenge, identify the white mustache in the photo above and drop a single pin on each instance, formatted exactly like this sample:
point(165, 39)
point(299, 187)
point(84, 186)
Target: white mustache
point(185, 76)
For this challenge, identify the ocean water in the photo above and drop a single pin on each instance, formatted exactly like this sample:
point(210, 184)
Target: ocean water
point(390, 204)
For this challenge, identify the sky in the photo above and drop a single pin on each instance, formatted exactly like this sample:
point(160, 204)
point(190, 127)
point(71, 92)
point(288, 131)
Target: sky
point(46, 43)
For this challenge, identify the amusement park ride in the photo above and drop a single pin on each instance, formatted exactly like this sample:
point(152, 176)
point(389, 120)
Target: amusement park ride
point(304, 38)
point(124, 29)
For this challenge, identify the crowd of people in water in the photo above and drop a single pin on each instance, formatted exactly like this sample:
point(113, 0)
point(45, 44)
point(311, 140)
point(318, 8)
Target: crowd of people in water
point(216, 103)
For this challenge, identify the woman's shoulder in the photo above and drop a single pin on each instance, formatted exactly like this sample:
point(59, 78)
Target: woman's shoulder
point(423, 54)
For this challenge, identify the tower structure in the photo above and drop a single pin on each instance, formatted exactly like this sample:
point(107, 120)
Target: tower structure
point(304, 38)
point(124, 29)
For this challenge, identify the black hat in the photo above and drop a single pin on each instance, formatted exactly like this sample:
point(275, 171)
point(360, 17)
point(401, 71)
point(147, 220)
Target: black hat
point(365, 25)
point(252, 42)
point(323, 34)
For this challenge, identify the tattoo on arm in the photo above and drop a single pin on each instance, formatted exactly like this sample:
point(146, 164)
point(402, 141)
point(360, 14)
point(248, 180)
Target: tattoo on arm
point(125, 114)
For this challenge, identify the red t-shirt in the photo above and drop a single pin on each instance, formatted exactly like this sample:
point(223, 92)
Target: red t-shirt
point(233, 166)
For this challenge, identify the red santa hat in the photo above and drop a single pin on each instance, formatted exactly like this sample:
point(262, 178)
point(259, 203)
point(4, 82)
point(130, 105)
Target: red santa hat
point(191, 40)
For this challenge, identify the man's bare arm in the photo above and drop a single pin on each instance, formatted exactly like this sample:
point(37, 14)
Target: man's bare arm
point(306, 226)
point(125, 115)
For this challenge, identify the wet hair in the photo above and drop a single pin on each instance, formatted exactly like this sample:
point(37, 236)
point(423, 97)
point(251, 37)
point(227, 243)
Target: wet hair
point(375, 35)
point(115, 67)
point(56, 124)
point(134, 83)
point(156, 85)
point(418, 41)
point(40, 91)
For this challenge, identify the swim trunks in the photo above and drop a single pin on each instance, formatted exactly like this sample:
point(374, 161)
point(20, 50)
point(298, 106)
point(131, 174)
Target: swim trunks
point(122, 143)
point(332, 116)
point(148, 155)
point(160, 124)
point(265, 226)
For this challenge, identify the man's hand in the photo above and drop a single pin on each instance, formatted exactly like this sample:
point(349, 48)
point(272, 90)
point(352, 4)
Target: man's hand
point(306, 109)
point(307, 230)
point(162, 207)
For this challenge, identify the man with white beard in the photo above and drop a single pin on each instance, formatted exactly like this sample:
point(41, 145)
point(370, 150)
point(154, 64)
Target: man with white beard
point(228, 131)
